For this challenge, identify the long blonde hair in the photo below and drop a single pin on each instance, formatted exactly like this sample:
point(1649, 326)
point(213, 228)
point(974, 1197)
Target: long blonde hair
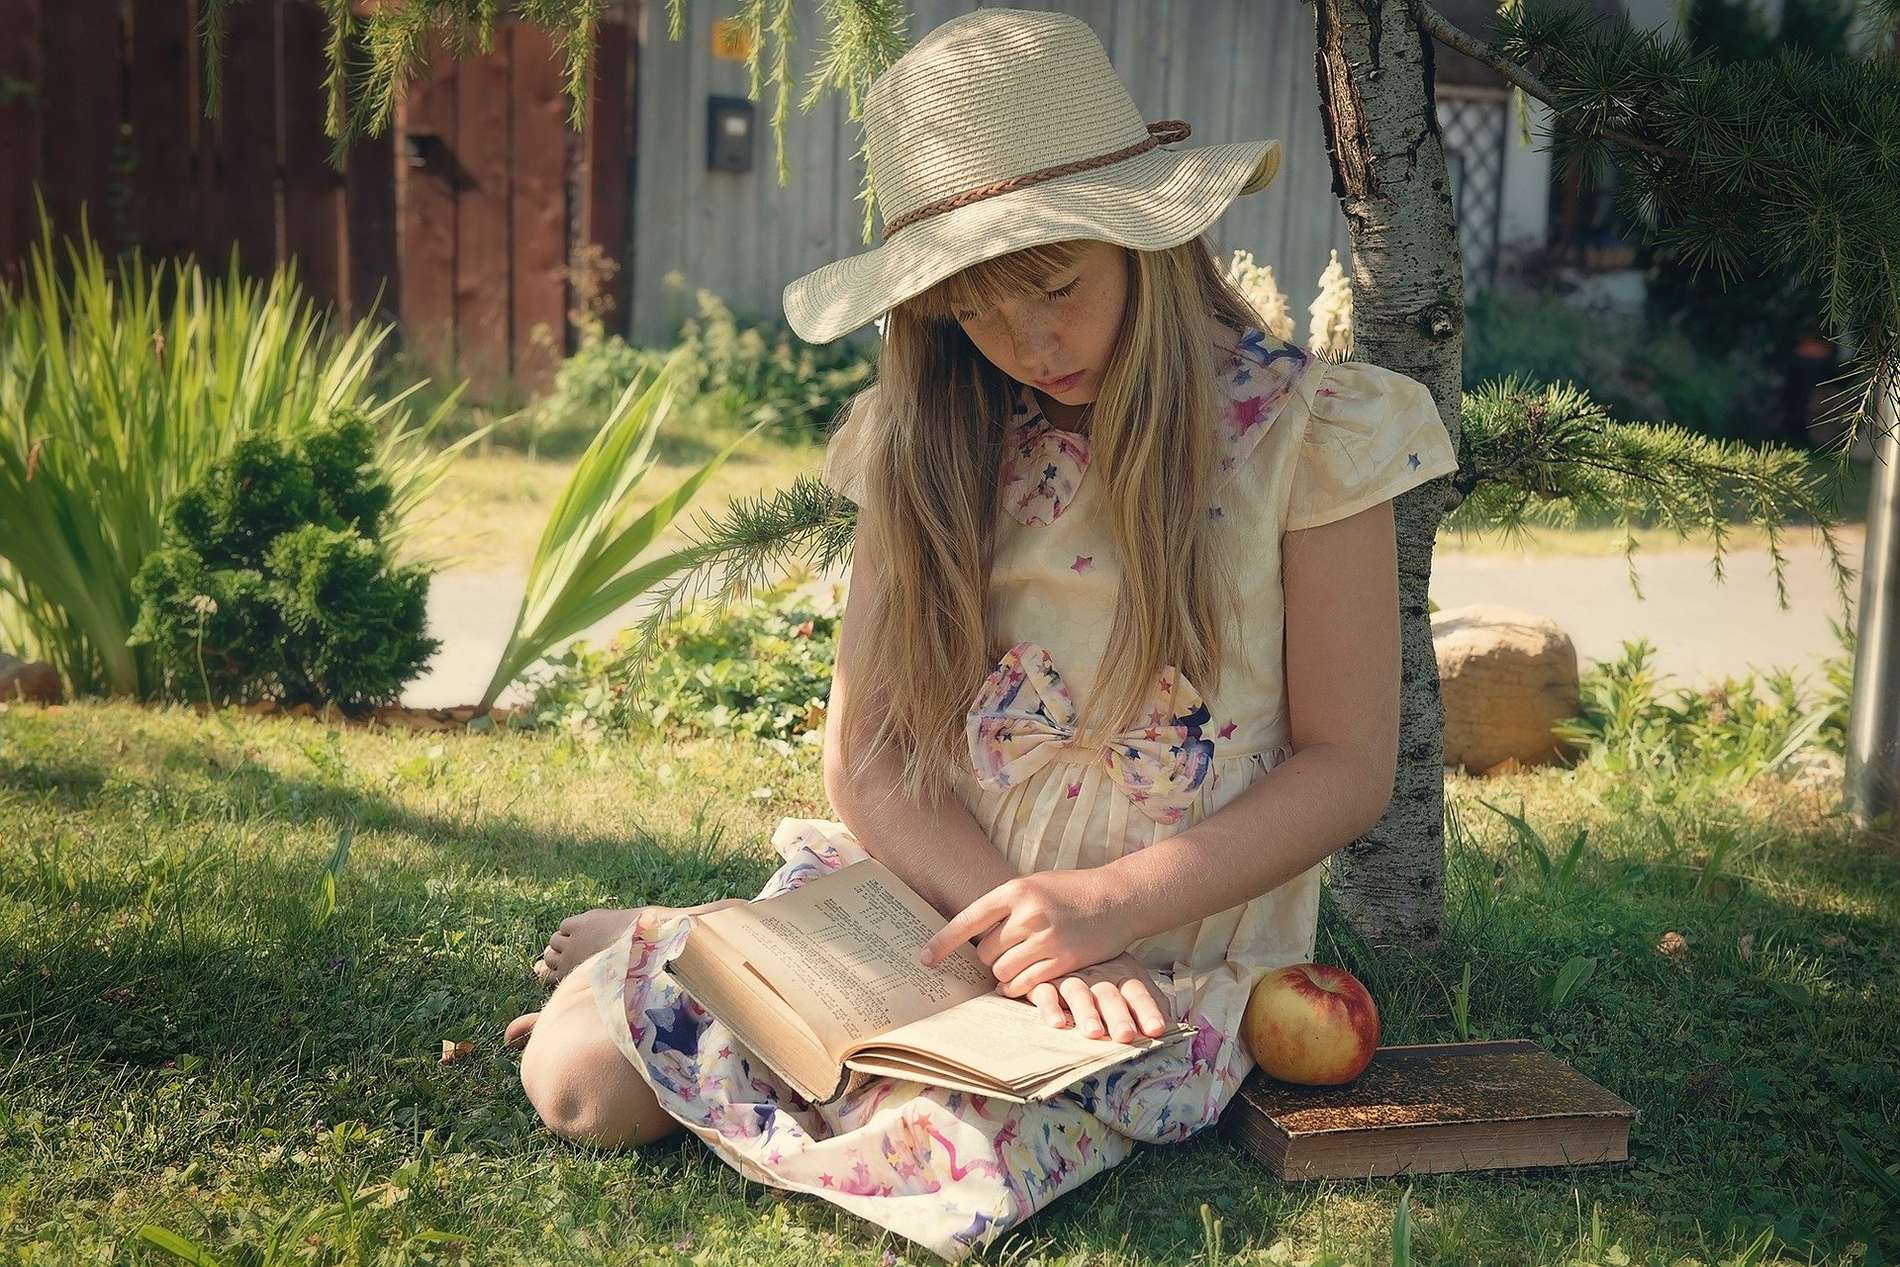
point(937, 415)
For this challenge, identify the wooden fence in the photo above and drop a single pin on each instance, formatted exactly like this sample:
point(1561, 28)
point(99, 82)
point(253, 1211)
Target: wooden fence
point(467, 212)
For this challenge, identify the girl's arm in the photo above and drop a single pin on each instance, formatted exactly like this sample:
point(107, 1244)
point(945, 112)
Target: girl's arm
point(1342, 675)
point(1342, 682)
point(938, 849)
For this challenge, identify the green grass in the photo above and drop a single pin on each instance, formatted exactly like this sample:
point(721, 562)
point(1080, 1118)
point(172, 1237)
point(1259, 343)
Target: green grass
point(488, 514)
point(193, 1038)
point(490, 510)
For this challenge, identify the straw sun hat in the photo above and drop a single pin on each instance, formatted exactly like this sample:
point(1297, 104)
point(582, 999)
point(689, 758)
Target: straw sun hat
point(1007, 128)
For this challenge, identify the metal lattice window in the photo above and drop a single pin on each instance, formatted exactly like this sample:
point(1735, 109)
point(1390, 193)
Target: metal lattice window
point(1474, 125)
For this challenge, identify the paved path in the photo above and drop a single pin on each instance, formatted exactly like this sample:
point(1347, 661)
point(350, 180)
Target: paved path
point(1701, 630)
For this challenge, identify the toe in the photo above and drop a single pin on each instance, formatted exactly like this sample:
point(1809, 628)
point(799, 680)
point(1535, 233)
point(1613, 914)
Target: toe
point(519, 1029)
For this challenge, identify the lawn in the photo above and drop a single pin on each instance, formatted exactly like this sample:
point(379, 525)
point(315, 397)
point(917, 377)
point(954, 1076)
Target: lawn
point(490, 511)
point(203, 1035)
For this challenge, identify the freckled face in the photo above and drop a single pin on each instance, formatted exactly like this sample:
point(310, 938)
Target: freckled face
point(1069, 326)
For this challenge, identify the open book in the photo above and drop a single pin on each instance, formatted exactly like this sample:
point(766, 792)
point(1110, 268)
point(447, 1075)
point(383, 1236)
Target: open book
point(824, 979)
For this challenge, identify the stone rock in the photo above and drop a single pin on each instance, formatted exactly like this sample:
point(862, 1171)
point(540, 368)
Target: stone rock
point(34, 681)
point(1815, 767)
point(1506, 677)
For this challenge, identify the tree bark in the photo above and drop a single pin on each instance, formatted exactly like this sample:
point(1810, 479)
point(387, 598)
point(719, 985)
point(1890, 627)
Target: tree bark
point(1374, 65)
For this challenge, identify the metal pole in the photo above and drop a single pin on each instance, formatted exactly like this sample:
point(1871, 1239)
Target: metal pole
point(1873, 721)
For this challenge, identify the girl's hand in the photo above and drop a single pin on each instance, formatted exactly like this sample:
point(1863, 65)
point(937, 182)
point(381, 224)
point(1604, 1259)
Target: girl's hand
point(1117, 999)
point(1038, 927)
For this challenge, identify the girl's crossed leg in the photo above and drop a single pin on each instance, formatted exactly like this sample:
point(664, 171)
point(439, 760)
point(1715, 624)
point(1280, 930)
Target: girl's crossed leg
point(576, 1078)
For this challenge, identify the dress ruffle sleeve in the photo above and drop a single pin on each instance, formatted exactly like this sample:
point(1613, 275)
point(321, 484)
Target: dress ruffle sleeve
point(1371, 434)
point(847, 451)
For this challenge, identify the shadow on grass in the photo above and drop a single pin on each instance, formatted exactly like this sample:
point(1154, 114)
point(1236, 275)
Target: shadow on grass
point(1753, 1053)
point(1748, 1070)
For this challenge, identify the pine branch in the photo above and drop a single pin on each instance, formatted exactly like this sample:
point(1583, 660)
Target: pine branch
point(808, 522)
point(1784, 163)
point(1550, 456)
point(1440, 28)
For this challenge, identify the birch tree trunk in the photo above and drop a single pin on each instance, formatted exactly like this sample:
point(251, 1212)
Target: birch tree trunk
point(1374, 66)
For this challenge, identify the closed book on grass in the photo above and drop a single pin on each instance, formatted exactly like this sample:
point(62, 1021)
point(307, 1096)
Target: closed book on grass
point(1434, 1107)
point(822, 982)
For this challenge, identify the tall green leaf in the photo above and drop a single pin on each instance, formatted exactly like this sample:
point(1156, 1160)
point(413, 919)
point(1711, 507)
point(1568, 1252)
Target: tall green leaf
point(119, 386)
point(583, 569)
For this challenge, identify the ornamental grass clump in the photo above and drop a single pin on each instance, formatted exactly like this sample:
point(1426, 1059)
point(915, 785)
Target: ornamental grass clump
point(275, 579)
point(121, 383)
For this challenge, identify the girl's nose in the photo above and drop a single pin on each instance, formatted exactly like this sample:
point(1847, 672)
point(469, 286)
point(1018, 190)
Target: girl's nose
point(1038, 347)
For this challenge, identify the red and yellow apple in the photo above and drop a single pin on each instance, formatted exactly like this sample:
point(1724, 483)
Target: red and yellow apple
point(1311, 1023)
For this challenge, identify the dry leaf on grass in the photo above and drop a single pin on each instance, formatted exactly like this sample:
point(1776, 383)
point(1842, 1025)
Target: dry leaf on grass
point(454, 1050)
point(1674, 947)
point(1745, 947)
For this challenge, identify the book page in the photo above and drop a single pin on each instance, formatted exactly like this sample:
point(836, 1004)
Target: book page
point(1009, 1040)
point(841, 950)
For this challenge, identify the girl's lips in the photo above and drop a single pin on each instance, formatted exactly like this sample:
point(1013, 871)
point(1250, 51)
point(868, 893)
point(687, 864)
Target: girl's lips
point(1066, 380)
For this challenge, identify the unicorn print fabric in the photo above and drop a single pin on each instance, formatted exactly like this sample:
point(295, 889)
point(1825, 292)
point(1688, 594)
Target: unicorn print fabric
point(1304, 442)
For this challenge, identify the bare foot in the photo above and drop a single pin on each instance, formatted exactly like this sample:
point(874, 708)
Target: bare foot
point(581, 937)
point(518, 1030)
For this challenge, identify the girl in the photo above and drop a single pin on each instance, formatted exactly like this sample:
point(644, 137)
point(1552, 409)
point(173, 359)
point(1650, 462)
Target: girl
point(1120, 660)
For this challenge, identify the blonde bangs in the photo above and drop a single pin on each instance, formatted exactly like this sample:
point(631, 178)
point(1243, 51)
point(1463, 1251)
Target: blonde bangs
point(988, 282)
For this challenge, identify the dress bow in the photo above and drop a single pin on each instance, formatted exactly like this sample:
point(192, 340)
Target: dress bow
point(1023, 715)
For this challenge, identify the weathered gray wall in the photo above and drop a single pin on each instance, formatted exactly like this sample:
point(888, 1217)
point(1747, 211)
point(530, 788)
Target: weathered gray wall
point(1234, 69)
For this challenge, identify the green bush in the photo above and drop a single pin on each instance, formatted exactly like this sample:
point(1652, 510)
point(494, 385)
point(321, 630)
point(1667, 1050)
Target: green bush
point(120, 386)
point(1637, 370)
point(761, 669)
point(275, 580)
point(1731, 730)
point(766, 371)
point(749, 372)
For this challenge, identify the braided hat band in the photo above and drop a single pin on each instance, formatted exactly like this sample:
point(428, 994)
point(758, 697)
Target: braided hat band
point(1003, 129)
point(1160, 132)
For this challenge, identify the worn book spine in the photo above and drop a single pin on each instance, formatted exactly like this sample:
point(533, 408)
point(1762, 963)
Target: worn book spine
point(1440, 1148)
point(1434, 1108)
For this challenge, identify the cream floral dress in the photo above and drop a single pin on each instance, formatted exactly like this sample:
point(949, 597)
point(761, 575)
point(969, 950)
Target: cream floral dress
point(1304, 442)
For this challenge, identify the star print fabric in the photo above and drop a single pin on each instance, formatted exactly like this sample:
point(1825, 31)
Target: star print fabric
point(948, 1170)
point(1023, 716)
point(1042, 464)
point(1300, 441)
point(1373, 434)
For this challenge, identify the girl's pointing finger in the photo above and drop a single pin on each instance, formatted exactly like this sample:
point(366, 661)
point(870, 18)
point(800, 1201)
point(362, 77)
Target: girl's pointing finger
point(965, 924)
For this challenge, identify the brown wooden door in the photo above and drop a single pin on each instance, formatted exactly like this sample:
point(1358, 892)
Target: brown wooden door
point(464, 214)
point(486, 170)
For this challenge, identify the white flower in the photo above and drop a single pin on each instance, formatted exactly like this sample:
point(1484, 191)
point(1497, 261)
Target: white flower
point(1262, 292)
point(1332, 311)
point(204, 604)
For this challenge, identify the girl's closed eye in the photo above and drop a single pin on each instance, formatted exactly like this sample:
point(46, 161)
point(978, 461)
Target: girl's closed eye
point(1061, 292)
